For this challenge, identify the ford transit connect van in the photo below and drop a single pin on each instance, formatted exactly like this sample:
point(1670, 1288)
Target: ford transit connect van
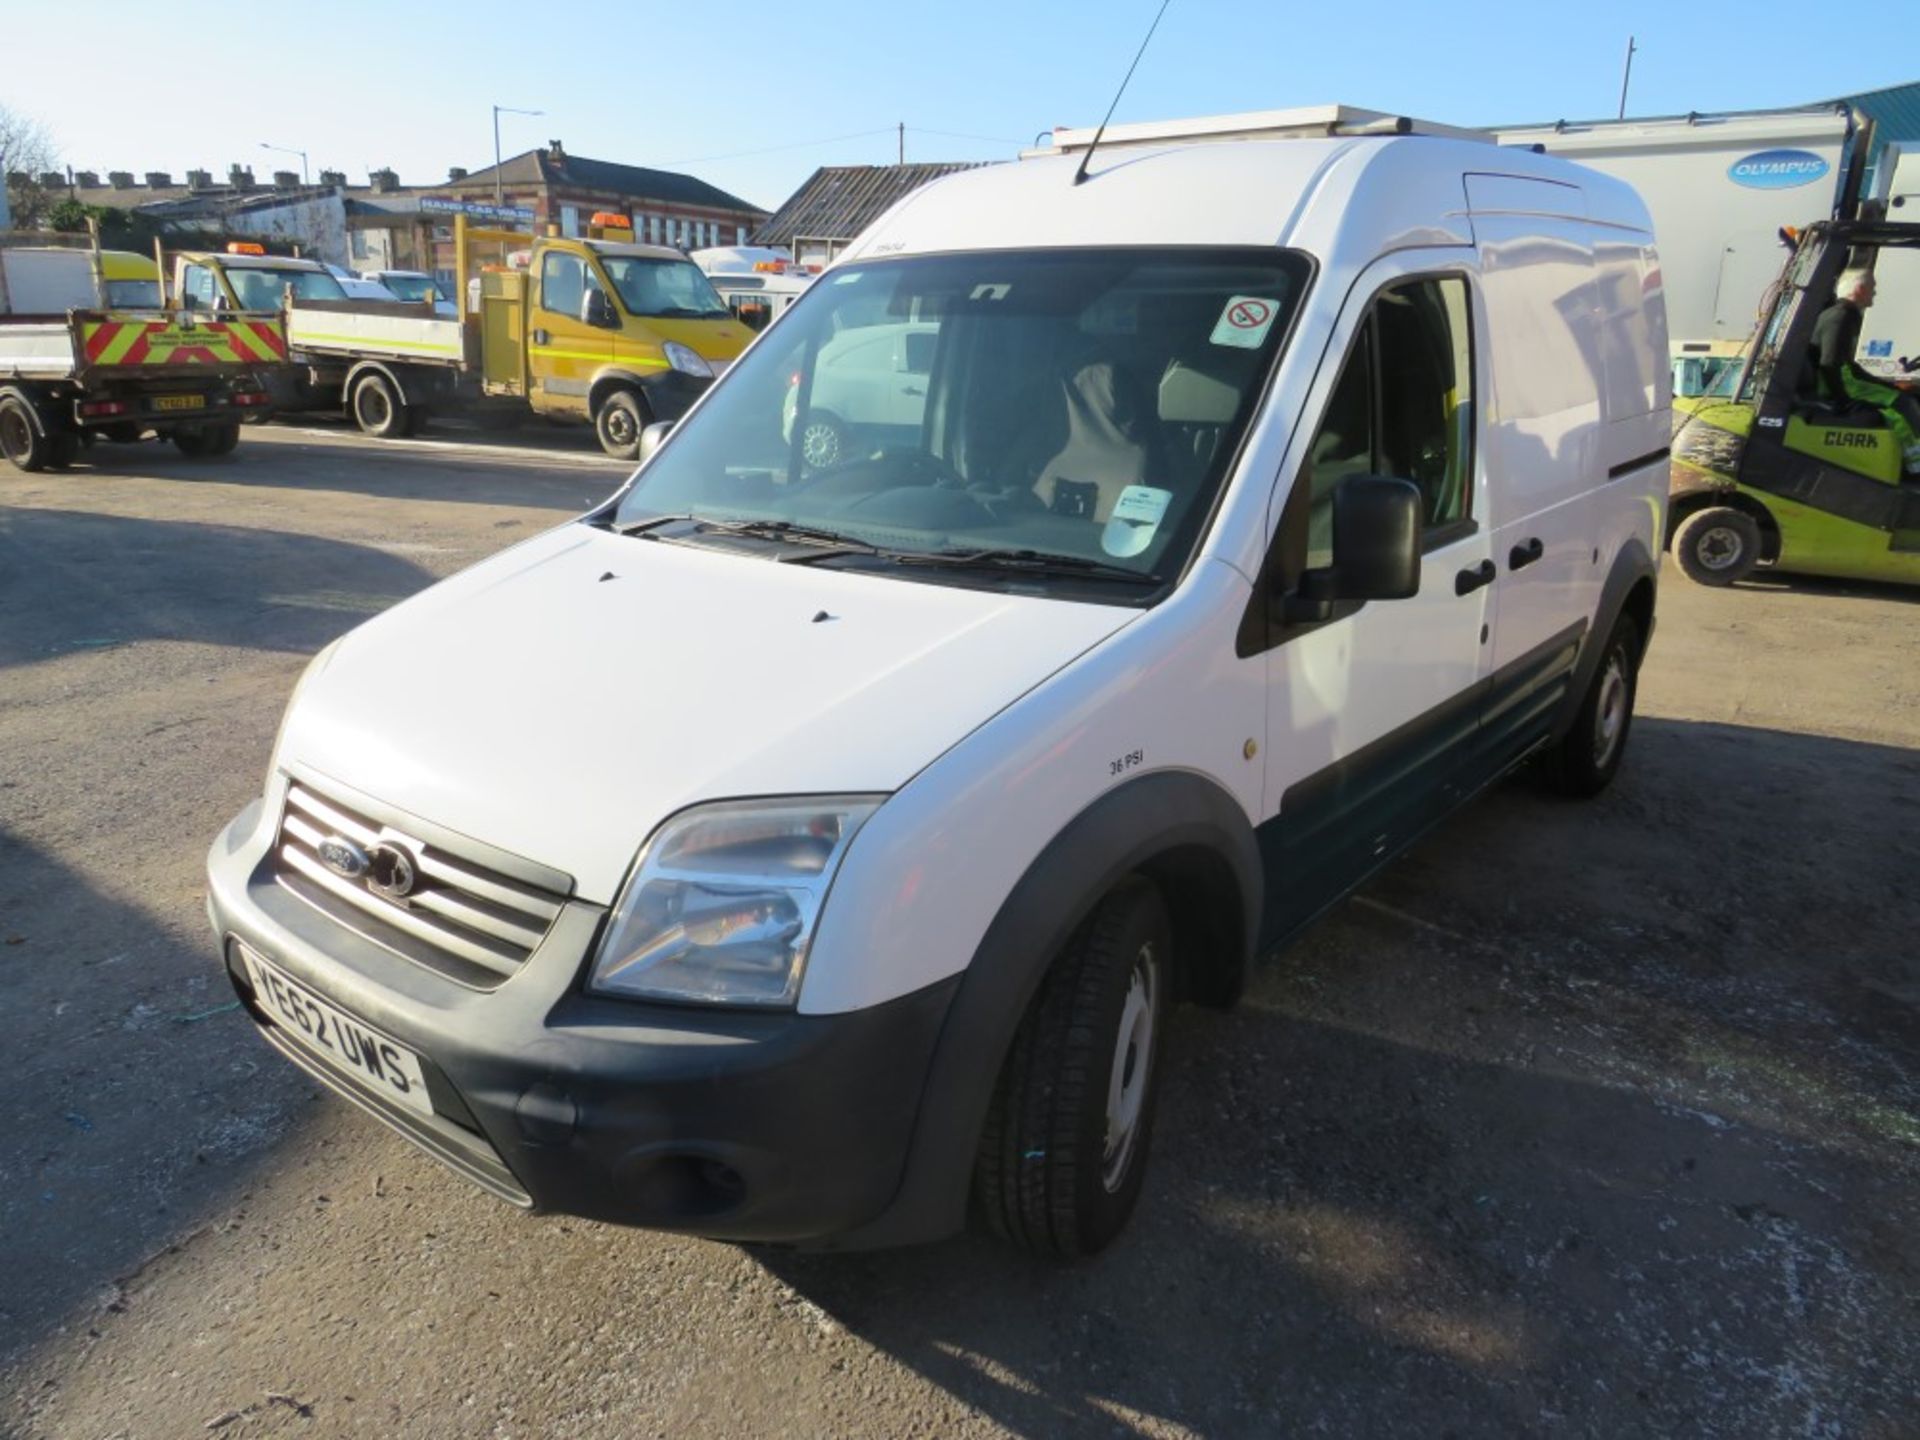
point(812, 852)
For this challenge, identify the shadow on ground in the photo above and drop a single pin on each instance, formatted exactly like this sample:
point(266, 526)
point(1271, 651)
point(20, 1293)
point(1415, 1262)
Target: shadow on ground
point(138, 1101)
point(73, 579)
point(1495, 1153)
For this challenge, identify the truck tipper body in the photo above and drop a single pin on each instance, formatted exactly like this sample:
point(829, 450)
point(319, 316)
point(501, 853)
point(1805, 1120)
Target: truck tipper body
point(79, 364)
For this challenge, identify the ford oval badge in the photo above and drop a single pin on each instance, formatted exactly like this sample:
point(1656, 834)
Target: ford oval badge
point(343, 857)
point(1777, 169)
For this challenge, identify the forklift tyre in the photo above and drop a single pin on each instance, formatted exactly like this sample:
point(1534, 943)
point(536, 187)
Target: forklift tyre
point(1717, 545)
point(377, 408)
point(22, 441)
point(618, 423)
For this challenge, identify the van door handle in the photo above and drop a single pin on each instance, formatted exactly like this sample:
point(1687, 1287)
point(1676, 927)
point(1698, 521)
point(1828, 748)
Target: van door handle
point(1522, 556)
point(541, 337)
point(1468, 581)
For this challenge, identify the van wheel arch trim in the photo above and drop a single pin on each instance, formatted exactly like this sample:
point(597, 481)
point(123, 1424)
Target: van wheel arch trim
point(1632, 568)
point(1177, 828)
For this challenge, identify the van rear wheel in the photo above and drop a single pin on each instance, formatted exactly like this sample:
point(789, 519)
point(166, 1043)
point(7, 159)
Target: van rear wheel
point(1589, 756)
point(1717, 546)
point(1064, 1148)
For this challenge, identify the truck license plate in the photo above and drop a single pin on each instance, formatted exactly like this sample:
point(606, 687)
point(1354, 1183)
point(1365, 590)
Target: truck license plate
point(379, 1064)
point(179, 402)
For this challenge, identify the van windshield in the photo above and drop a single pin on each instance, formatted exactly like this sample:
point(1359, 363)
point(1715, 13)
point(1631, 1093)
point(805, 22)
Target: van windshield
point(1056, 419)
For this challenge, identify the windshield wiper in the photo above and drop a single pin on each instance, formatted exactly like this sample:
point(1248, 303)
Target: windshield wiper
point(789, 530)
point(1036, 562)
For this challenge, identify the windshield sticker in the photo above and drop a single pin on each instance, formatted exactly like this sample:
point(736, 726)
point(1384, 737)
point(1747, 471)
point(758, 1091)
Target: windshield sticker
point(1245, 322)
point(1136, 516)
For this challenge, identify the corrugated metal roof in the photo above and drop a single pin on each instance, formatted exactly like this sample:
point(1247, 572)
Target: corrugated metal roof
point(840, 201)
point(1895, 111)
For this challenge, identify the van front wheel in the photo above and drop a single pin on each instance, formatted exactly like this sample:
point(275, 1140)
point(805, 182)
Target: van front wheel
point(1065, 1144)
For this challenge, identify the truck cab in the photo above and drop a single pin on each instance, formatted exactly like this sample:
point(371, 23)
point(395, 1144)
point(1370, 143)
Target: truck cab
point(605, 329)
point(246, 278)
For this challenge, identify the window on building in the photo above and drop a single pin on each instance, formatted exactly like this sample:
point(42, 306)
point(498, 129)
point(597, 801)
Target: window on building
point(1403, 407)
point(739, 234)
point(569, 219)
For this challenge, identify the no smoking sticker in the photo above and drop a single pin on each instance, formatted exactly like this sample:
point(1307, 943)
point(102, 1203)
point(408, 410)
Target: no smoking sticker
point(1245, 322)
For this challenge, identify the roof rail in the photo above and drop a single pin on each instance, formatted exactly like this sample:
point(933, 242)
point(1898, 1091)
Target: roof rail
point(1312, 122)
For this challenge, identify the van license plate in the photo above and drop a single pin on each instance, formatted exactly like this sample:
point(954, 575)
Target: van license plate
point(380, 1064)
point(179, 402)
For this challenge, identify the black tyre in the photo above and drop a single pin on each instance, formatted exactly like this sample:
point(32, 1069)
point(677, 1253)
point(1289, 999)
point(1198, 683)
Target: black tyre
point(1717, 546)
point(618, 423)
point(223, 439)
point(1065, 1144)
point(22, 441)
point(1587, 758)
point(199, 442)
point(377, 408)
point(824, 441)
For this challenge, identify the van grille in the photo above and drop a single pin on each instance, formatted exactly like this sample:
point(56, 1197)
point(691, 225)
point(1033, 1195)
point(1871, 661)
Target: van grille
point(458, 917)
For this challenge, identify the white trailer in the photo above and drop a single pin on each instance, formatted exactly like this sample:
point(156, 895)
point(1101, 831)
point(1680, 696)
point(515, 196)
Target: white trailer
point(1720, 189)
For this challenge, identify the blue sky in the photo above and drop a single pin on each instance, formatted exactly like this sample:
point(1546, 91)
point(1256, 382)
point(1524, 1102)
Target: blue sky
point(714, 89)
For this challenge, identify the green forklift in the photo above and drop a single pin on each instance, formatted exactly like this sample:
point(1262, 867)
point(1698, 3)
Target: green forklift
point(1778, 475)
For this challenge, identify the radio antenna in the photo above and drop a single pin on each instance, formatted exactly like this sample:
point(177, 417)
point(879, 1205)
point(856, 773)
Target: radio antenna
point(1087, 159)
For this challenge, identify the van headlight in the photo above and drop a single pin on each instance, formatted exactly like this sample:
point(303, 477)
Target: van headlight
point(686, 361)
point(723, 903)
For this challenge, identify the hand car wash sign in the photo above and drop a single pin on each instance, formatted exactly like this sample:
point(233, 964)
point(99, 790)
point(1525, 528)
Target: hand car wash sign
point(1777, 169)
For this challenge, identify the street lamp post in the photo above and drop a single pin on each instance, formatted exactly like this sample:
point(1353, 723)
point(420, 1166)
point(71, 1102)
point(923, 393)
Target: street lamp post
point(498, 110)
point(289, 150)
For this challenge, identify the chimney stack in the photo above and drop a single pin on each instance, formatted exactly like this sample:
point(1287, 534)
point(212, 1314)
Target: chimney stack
point(286, 180)
point(53, 179)
point(199, 179)
point(159, 180)
point(456, 172)
point(86, 179)
point(384, 181)
point(556, 152)
point(240, 177)
point(333, 177)
point(120, 179)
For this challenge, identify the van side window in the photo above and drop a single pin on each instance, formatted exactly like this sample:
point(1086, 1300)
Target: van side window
point(561, 283)
point(1403, 407)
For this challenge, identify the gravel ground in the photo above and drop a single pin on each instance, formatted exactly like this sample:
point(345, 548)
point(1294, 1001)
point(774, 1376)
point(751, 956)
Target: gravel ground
point(1582, 1120)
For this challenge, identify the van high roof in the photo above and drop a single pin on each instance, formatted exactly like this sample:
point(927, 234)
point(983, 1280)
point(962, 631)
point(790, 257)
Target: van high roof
point(1322, 195)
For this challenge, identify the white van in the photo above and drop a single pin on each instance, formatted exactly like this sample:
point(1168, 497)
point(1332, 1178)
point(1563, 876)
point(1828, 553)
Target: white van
point(809, 855)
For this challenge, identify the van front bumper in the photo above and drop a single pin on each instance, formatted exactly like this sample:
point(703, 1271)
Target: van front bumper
point(738, 1125)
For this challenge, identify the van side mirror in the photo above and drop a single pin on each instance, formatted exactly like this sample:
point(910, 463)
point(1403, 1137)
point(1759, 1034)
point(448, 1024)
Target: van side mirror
point(596, 309)
point(652, 437)
point(1376, 548)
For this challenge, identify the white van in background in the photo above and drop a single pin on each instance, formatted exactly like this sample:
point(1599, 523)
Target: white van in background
point(1267, 501)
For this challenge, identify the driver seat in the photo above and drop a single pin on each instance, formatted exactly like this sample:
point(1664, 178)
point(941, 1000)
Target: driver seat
point(1109, 445)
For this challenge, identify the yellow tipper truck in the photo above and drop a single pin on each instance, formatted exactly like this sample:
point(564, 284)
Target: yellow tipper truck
point(87, 352)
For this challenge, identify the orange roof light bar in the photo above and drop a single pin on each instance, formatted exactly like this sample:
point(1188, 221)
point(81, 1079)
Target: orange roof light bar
point(611, 220)
point(245, 247)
